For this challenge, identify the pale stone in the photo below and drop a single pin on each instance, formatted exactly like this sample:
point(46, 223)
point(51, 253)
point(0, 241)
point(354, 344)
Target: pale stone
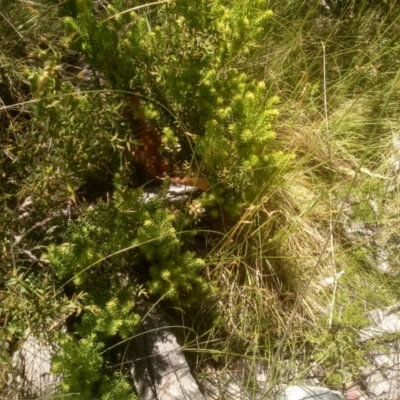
point(310, 393)
point(159, 368)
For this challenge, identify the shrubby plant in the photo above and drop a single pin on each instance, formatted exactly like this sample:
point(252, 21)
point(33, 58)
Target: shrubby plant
point(126, 240)
point(185, 61)
point(107, 254)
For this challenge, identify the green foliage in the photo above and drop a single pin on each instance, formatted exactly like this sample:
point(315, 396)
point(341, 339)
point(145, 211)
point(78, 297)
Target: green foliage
point(107, 253)
point(188, 57)
point(120, 239)
point(79, 133)
point(80, 364)
point(114, 317)
point(172, 271)
point(237, 143)
point(116, 387)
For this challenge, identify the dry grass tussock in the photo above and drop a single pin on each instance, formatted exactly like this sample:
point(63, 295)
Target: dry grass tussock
point(292, 244)
point(266, 260)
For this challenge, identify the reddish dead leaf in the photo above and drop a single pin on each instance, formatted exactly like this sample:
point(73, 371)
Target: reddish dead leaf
point(200, 183)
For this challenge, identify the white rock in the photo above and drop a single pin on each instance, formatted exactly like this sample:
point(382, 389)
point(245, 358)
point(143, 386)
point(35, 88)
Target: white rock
point(159, 368)
point(382, 322)
point(32, 363)
point(310, 393)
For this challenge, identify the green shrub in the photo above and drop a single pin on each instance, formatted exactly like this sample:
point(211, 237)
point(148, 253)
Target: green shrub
point(109, 254)
point(185, 60)
point(128, 239)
